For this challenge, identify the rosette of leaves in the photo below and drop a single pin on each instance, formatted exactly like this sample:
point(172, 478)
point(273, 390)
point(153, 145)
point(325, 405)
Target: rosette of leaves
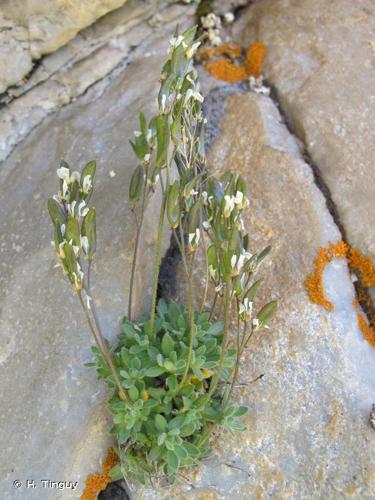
point(161, 429)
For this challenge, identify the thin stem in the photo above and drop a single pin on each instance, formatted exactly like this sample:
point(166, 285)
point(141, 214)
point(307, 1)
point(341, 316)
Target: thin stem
point(192, 328)
point(215, 379)
point(101, 346)
point(135, 254)
point(237, 366)
point(157, 265)
point(207, 275)
point(213, 306)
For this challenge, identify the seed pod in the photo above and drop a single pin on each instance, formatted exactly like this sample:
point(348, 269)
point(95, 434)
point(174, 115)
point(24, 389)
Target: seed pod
point(266, 312)
point(194, 217)
point(250, 294)
point(89, 230)
point(72, 231)
point(136, 184)
point(173, 205)
point(56, 212)
point(162, 135)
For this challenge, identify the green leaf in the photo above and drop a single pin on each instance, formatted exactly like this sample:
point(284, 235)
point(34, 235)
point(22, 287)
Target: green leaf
point(168, 365)
point(72, 231)
point(266, 312)
point(162, 136)
point(56, 212)
point(167, 344)
point(172, 383)
point(241, 410)
point(133, 393)
point(136, 184)
point(194, 218)
point(173, 204)
point(116, 472)
point(250, 294)
point(88, 169)
point(263, 254)
point(89, 230)
point(154, 453)
point(143, 123)
point(191, 449)
point(160, 423)
point(173, 461)
point(154, 371)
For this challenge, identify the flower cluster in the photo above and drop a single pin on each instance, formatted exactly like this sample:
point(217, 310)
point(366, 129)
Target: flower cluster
point(74, 221)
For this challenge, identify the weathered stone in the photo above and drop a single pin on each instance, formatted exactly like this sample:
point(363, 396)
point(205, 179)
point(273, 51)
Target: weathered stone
point(307, 428)
point(53, 420)
point(97, 52)
point(321, 61)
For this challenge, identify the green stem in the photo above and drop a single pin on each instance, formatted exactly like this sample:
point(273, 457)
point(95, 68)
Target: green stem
point(157, 265)
point(135, 254)
point(215, 379)
point(192, 328)
point(237, 366)
point(101, 345)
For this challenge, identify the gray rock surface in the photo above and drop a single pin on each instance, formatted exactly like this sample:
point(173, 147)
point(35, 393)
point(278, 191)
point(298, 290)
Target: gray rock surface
point(53, 421)
point(321, 61)
point(307, 429)
point(29, 31)
point(97, 52)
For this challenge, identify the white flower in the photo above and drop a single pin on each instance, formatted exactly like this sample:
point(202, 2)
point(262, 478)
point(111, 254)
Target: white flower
point(229, 205)
point(85, 243)
point(62, 229)
point(65, 189)
point(214, 37)
point(175, 42)
point(229, 17)
point(149, 135)
point(112, 174)
point(194, 239)
point(238, 198)
point(193, 94)
point(82, 209)
point(137, 133)
point(246, 309)
point(192, 50)
point(211, 21)
point(63, 173)
point(255, 322)
point(219, 287)
point(147, 157)
point(88, 300)
point(75, 176)
point(71, 207)
point(87, 184)
point(206, 225)
point(163, 102)
point(212, 272)
point(193, 192)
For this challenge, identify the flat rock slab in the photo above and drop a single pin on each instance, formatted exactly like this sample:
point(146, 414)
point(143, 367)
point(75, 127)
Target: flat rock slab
point(307, 428)
point(321, 61)
point(53, 421)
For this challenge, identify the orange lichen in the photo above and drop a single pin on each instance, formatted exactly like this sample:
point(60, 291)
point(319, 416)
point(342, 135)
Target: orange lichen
point(225, 70)
point(314, 282)
point(227, 49)
point(255, 56)
point(231, 69)
point(363, 265)
point(357, 263)
point(95, 483)
point(367, 330)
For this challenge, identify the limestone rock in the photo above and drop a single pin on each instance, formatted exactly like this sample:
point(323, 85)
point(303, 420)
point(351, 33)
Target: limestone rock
point(52, 24)
point(307, 428)
point(321, 61)
point(53, 421)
